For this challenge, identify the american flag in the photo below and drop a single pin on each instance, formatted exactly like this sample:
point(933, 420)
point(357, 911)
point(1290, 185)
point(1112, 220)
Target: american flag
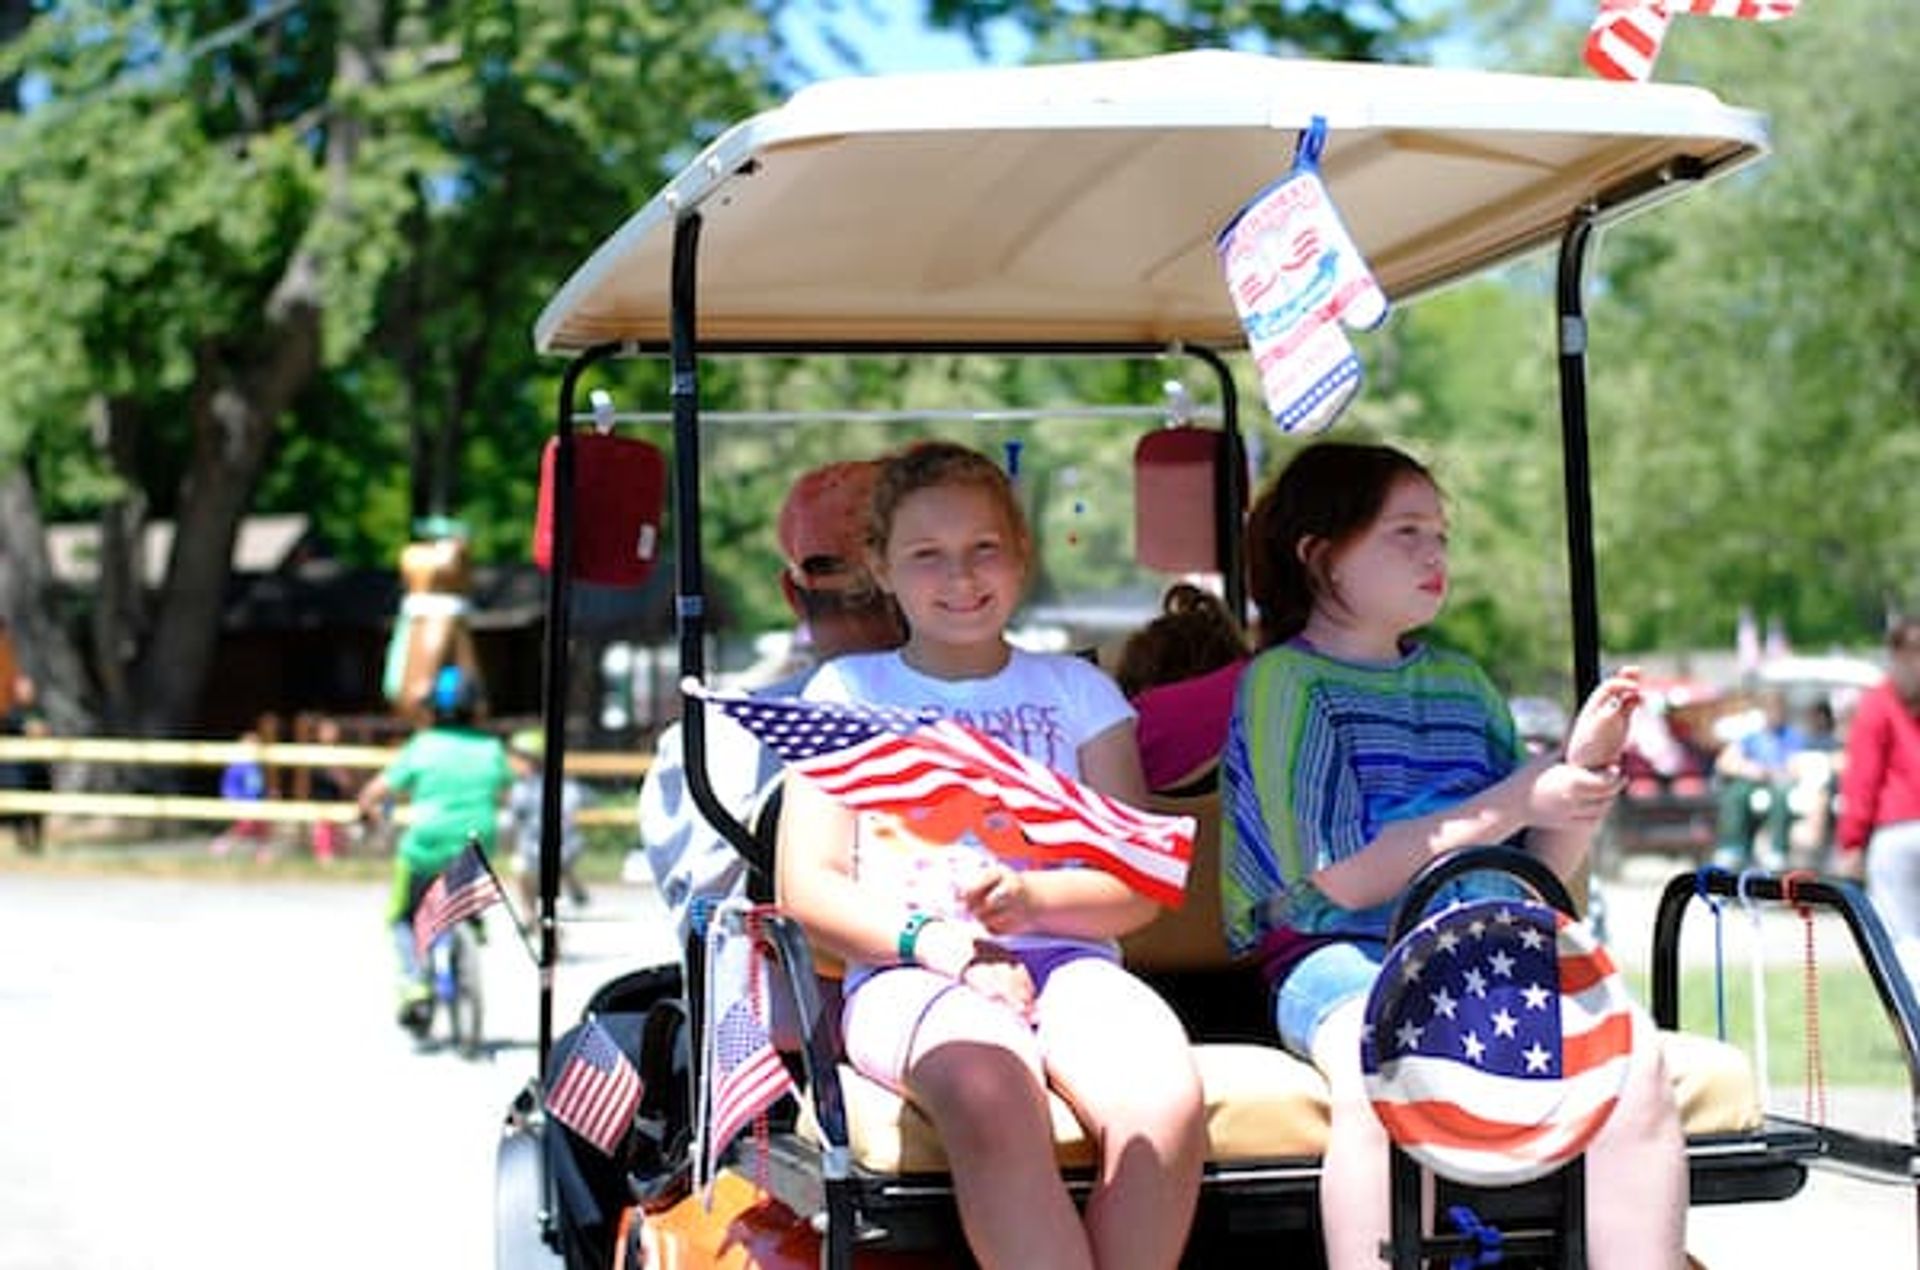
point(1626, 34)
point(744, 1074)
point(1498, 1037)
point(945, 779)
point(598, 1091)
point(464, 888)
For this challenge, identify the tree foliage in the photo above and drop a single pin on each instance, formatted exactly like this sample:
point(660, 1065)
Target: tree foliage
point(1376, 31)
point(284, 256)
point(1761, 453)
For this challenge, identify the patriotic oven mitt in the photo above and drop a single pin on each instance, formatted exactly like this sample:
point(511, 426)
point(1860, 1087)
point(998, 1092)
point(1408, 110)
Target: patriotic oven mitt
point(1295, 275)
point(1497, 1041)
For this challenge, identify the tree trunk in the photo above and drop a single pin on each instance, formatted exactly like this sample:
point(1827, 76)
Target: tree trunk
point(241, 391)
point(42, 645)
point(120, 596)
point(237, 403)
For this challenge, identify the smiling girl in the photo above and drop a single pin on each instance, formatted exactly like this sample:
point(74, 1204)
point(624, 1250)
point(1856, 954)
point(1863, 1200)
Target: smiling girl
point(974, 986)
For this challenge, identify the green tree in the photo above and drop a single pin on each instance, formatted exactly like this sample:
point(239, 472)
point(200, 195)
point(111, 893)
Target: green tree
point(1377, 31)
point(1759, 445)
point(276, 250)
point(1753, 363)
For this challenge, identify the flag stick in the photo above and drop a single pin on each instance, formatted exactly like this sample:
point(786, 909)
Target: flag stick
point(519, 927)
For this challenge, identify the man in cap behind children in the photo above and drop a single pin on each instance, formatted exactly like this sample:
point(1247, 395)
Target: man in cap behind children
point(822, 530)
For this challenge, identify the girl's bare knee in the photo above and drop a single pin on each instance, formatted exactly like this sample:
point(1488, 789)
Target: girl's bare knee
point(964, 1085)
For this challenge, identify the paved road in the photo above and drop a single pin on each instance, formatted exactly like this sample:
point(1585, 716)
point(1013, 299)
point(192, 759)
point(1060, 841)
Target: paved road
point(203, 1075)
point(198, 1076)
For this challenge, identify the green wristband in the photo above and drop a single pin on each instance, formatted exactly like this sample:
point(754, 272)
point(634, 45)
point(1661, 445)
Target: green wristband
point(910, 935)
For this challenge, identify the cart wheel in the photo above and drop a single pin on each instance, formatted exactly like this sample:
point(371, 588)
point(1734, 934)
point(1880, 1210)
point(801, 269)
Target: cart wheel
point(519, 1186)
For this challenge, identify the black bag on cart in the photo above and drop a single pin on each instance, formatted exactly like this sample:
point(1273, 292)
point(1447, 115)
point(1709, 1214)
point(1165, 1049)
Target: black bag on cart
point(646, 1015)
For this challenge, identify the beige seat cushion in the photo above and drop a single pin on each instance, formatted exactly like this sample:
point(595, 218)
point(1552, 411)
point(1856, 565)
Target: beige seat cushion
point(1264, 1104)
point(1712, 1083)
point(1261, 1103)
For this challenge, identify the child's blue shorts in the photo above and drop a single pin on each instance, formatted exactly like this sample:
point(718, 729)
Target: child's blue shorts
point(1325, 979)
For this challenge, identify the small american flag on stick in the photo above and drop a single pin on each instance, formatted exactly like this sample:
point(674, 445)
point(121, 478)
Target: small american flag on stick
point(1626, 34)
point(464, 888)
point(598, 1091)
point(946, 779)
point(744, 1074)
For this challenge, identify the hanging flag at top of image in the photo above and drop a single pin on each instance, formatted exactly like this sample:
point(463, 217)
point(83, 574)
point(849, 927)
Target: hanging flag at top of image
point(945, 779)
point(1625, 36)
point(1295, 276)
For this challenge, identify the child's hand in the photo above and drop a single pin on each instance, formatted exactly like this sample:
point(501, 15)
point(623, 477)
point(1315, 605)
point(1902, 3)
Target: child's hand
point(1564, 795)
point(994, 974)
point(1000, 900)
point(1599, 733)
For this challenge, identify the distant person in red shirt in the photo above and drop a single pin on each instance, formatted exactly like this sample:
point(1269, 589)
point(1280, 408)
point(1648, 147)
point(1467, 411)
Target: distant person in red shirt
point(1879, 831)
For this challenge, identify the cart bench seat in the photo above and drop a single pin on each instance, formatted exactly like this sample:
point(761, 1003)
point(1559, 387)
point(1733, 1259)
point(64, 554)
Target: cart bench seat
point(1264, 1104)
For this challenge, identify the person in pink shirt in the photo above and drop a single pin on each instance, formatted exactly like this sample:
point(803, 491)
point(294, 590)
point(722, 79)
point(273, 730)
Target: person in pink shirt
point(1879, 829)
point(1180, 671)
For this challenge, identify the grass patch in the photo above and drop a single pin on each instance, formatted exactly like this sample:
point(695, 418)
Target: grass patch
point(1858, 1043)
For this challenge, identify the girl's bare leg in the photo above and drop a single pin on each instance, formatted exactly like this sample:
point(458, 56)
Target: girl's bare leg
point(1355, 1198)
point(1120, 1056)
point(974, 1067)
point(1637, 1171)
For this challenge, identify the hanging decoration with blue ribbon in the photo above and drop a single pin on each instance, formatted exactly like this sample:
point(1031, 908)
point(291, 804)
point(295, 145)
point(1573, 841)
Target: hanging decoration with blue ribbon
point(1295, 275)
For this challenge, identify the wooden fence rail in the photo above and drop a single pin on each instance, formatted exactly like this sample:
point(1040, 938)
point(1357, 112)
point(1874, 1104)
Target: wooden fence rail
point(624, 767)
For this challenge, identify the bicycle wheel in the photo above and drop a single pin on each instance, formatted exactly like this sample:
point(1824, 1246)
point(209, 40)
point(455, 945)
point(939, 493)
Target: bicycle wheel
point(466, 1009)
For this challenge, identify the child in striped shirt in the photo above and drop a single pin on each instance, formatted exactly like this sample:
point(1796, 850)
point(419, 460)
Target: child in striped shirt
point(1357, 754)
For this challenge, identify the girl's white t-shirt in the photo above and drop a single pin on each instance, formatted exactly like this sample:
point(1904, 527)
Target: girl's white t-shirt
point(1046, 705)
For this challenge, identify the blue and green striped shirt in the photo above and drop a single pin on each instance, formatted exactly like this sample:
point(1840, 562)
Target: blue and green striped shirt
point(1323, 754)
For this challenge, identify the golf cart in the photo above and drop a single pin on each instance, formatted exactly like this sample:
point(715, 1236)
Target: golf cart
point(1071, 211)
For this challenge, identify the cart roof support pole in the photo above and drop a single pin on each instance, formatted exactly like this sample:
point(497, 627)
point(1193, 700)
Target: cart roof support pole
point(1230, 485)
point(690, 604)
point(1582, 587)
point(553, 688)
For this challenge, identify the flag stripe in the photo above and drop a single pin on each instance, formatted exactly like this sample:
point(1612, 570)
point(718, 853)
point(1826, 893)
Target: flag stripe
point(1625, 36)
point(465, 888)
point(598, 1091)
point(752, 1087)
point(1421, 1082)
point(1581, 1052)
point(1444, 1129)
point(910, 766)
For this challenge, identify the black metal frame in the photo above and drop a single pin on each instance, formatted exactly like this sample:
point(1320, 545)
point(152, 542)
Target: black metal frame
point(1804, 891)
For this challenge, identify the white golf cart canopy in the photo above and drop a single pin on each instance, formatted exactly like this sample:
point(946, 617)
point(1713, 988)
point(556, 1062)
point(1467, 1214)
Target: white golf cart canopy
point(1080, 202)
point(1074, 209)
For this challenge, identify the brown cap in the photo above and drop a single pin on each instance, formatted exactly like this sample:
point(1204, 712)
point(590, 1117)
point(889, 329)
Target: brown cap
point(826, 514)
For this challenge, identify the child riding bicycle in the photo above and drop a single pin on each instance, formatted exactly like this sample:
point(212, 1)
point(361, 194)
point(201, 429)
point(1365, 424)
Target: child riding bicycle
point(454, 775)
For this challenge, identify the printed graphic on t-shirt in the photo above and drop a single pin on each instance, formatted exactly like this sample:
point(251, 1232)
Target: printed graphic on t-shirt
point(1033, 729)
